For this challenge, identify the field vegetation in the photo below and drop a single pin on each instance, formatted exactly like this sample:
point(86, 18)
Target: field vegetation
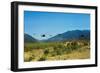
point(64, 50)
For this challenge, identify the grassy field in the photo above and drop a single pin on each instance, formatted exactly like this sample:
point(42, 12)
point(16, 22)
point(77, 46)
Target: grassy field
point(66, 50)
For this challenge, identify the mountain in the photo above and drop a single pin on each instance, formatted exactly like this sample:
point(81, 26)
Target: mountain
point(71, 35)
point(29, 38)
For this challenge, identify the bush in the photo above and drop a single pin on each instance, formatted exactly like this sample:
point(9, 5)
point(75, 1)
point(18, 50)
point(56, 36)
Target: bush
point(42, 59)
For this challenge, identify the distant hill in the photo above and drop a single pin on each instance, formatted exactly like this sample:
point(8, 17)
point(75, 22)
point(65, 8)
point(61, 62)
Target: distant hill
point(71, 35)
point(29, 38)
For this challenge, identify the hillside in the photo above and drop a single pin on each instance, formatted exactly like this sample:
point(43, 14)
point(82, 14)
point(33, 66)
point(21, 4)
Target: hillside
point(71, 35)
point(29, 38)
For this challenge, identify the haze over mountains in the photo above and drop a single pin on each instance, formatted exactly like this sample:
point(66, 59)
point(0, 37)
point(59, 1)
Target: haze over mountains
point(69, 35)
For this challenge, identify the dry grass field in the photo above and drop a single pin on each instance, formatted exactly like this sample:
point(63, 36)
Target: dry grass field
point(65, 50)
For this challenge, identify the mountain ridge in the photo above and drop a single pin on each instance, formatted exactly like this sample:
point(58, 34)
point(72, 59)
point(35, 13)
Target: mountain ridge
point(66, 36)
point(71, 35)
point(29, 38)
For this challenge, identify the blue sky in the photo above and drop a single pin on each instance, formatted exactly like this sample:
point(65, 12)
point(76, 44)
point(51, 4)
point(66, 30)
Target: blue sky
point(53, 23)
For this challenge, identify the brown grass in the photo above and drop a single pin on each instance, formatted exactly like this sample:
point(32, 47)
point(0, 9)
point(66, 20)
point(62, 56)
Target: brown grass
point(56, 51)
